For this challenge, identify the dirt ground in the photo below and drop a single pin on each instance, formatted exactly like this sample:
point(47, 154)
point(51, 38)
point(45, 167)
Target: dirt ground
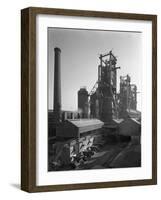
point(114, 156)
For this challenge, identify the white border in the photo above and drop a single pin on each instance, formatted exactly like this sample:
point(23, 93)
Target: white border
point(43, 177)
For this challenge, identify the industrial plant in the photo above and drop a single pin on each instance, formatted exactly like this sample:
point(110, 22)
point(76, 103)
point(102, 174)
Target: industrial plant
point(105, 131)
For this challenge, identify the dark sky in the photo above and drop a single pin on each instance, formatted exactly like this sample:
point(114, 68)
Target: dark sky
point(80, 51)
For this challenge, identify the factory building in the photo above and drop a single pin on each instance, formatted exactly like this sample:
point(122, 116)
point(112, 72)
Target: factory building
point(130, 127)
point(83, 132)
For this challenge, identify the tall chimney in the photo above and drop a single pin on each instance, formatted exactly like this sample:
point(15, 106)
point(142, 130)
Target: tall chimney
point(57, 85)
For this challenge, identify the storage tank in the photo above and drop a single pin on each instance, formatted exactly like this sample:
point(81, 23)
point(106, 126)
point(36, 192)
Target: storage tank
point(83, 102)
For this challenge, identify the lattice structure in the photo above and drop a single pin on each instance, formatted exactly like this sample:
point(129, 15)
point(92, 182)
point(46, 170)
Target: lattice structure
point(103, 96)
point(127, 96)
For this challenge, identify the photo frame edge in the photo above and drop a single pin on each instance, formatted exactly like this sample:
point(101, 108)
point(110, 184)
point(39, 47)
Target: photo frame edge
point(28, 99)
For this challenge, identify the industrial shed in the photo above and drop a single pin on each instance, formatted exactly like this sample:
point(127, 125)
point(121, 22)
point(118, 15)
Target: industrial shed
point(134, 113)
point(130, 127)
point(75, 128)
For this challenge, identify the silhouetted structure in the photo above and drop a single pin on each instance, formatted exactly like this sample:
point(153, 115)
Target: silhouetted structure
point(105, 103)
point(83, 102)
point(103, 97)
point(57, 85)
point(54, 117)
point(127, 97)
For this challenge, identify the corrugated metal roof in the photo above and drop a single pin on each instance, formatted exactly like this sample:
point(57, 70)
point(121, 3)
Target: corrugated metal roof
point(85, 122)
point(118, 121)
point(133, 111)
point(85, 125)
point(136, 121)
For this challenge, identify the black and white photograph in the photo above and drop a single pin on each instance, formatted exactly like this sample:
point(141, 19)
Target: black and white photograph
point(94, 99)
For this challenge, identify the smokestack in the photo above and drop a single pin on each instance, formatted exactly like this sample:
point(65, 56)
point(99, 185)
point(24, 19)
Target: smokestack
point(57, 85)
